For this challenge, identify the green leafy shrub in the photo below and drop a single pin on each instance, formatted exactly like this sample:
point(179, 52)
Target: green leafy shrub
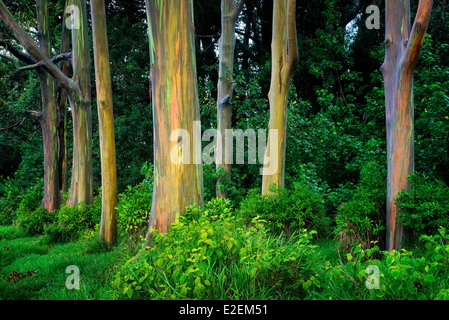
point(72, 222)
point(212, 254)
point(134, 205)
point(231, 184)
point(32, 199)
point(361, 220)
point(15, 203)
point(402, 275)
point(133, 209)
point(34, 222)
point(287, 210)
point(9, 201)
point(425, 206)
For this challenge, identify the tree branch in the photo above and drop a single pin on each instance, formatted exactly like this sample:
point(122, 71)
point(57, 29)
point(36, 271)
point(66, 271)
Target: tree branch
point(35, 52)
point(55, 59)
point(419, 29)
point(293, 51)
point(30, 67)
point(15, 52)
point(10, 59)
point(238, 6)
point(62, 57)
point(14, 125)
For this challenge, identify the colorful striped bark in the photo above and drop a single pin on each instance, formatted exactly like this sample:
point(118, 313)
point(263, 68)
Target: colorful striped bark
point(62, 111)
point(285, 57)
point(49, 114)
point(175, 106)
point(229, 14)
point(81, 188)
point(402, 47)
point(108, 225)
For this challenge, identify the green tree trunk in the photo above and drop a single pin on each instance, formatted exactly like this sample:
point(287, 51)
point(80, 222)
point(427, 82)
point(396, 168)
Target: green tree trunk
point(175, 107)
point(285, 57)
point(108, 225)
point(402, 47)
point(224, 154)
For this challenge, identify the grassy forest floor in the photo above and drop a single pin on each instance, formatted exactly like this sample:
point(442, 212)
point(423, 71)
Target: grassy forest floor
point(32, 269)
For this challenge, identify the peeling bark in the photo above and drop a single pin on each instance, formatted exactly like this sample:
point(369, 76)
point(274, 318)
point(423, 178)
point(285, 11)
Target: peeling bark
point(81, 187)
point(402, 48)
point(224, 154)
point(108, 225)
point(175, 106)
point(49, 115)
point(285, 58)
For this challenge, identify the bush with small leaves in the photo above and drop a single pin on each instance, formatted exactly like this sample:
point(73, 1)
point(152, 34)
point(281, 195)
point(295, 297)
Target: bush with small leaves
point(425, 206)
point(212, 254)
point(288, 210)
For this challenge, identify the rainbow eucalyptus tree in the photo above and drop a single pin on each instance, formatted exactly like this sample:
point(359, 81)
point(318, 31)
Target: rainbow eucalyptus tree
point(81, 188)
point(49, 115)
point(229, 13)
point(77, 88)
point(108, 225)
point(285, 57)
point(65, 66)
point(402, 48)
point(178, 179)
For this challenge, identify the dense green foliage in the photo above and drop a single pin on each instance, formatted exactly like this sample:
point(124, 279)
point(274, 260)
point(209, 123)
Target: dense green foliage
point(425, 207)
point(211, 254)
point(288, 210)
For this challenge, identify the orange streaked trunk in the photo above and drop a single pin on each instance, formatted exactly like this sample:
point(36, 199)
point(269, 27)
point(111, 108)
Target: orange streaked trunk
point(402, 47)
point(175, 107)
point(49, 115)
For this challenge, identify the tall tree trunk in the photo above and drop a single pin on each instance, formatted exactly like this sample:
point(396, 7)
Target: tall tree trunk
point(175, 108)
point(402, 49)
point(49, 114)
point(81, 188)
point(108, 225)
point(224, 154)
point(62, 112)
point(285, 57)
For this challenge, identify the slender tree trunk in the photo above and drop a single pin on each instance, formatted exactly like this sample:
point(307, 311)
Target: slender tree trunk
point(49, 115)
point(62, 112)
point(177, 182)
point(108, 226)
point(402, 47)
point(81, 189)
point(285, 55)
point(224, 155)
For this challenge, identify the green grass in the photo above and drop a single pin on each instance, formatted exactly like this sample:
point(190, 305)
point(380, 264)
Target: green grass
point(32, 269)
